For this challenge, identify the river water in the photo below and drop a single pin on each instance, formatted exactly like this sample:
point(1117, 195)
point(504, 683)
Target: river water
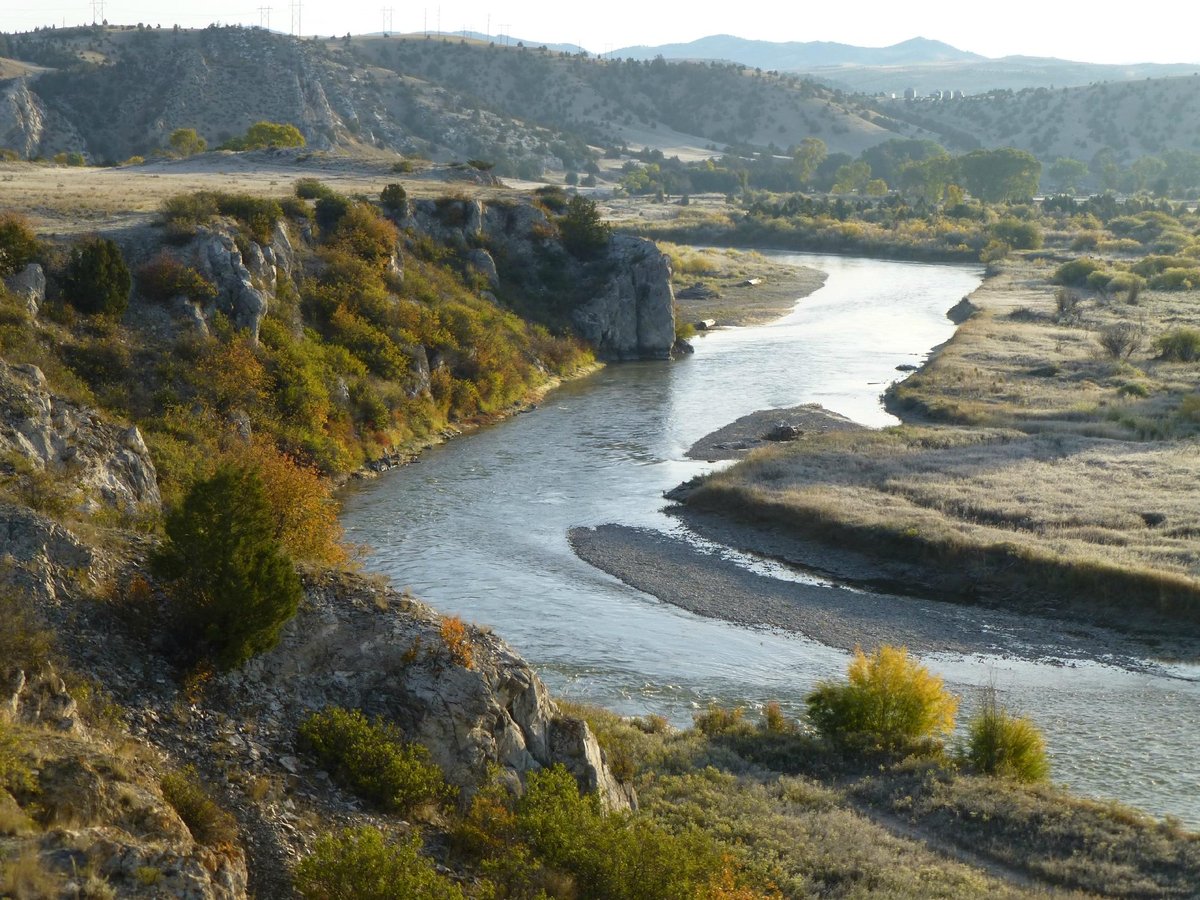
point(478, 527)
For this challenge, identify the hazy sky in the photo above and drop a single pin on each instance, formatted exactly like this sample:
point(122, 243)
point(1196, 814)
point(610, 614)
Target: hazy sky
point(1150, 31)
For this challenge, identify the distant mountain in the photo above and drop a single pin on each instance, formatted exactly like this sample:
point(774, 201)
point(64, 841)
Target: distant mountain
point(795, 56)
point(920, 64)
point(1013, 73)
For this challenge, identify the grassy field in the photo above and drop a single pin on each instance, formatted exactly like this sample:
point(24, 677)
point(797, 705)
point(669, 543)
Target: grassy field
point(1034, 470)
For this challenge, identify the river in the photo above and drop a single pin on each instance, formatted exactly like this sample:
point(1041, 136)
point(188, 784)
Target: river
point(478, 527)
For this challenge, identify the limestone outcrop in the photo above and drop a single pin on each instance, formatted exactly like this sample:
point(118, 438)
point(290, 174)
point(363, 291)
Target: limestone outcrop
point(621, 302)
point(219, 259)
point(471, 703)
point(632, 316)
point(29, 287)
point(105, 463)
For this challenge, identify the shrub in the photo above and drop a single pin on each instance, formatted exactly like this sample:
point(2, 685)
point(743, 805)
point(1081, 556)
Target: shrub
point(257, 214)
point(454, 639)
point(1176, 279)
point(209, 824)
point(1066, 305)
point(1122, 339)
point(1179, 345)
point(394, 198)
point(234, 587)
point(18, 244)
point(372, 760)
point(584, 234)
point(1002, 744)
point(186, 142)
point(889, 700)
point(1076, 271)
point(330, 209)
point(312, 189)
point(96, 279)
point(165, 278)
point(719, 720)
point(184, 213)
point(357, 864)
point(262, 135)
point(1017, 234)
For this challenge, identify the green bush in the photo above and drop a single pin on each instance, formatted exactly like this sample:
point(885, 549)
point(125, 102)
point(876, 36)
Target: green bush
point(312, 189)
point(209, 824)
point(186, 142)
point(184, 213)
point(889, 700)
point(165, 278)
point(18, 244)
point(1002, 744)
point(330, 210)
point(262, 135)
point(372, 760)
point(1076, 271)
point(1176, 279)
point(1017, 234)
point(1179, 345)
point(394, 198)
point(556, 840)
point(358, 864)
point(233, 586)
point(583, 232)
point(96, 279)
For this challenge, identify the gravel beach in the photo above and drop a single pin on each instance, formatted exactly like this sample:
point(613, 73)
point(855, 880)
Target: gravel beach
point(704, 582)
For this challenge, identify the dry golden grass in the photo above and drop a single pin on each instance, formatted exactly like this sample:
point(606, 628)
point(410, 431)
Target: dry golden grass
point(725, 273)
point(1060, 474)
point(77, 200)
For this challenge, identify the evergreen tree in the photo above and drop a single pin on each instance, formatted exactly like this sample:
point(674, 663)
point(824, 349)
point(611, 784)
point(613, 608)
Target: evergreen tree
point(234, 585)
point(96, 279)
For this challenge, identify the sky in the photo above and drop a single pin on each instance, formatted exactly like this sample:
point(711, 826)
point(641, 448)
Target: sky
point(1020, 27)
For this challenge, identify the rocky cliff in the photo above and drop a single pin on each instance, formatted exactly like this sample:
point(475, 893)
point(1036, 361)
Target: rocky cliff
point(621, 302)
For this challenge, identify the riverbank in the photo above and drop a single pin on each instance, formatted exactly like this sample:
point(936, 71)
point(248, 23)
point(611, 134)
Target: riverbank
point(1034, 473)
point(706, 582)
point(728, 286)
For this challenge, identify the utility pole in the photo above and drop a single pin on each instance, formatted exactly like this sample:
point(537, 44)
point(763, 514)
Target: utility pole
point(264, 11)
point(387, 19)
point(504, 31)
point(297, 25)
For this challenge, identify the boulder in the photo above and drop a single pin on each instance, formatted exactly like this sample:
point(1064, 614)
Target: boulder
point(29, 287)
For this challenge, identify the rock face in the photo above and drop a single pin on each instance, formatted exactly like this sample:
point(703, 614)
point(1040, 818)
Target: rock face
point(106, 463)
point(472, 703)
point(633, 315)
point(28, 286)
point(220, 261)
point(39, 558)
point(621, 303)
point(111, 818)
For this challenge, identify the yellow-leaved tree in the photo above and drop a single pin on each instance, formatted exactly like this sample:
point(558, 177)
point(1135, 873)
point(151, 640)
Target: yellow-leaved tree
point(889, 700)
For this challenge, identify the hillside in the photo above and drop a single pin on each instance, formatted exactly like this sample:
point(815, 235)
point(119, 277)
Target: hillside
point(1132, 119)
point(111, 93)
